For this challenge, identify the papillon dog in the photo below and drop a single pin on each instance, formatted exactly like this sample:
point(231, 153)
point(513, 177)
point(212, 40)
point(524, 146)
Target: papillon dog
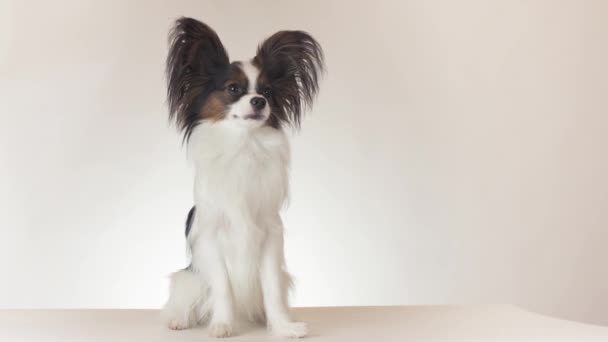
point(233, 116)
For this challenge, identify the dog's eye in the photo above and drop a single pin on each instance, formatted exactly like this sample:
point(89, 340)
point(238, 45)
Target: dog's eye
point(267, 92)
point(234, 89)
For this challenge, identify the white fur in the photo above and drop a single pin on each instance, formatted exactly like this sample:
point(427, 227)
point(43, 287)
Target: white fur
point(252, 73)
point(238, 266)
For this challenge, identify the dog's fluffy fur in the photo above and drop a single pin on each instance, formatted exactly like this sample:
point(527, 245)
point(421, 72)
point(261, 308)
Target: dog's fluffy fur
point(232, 116)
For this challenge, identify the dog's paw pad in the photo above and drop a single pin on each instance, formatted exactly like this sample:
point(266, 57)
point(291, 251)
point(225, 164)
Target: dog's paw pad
point(220, 330)
point(290, 329)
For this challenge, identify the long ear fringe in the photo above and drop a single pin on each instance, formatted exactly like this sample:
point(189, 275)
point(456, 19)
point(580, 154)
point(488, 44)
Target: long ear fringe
point(304, 59)
point(195, 55)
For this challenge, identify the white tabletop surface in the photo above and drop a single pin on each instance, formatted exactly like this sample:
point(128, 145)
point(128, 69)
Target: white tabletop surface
point(405, 323)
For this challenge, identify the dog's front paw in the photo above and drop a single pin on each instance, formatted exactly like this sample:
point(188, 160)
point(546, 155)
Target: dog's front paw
point(220, 330)
point(289, 329)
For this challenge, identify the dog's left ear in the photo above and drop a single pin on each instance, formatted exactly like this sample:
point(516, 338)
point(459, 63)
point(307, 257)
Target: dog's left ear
point(293, 63)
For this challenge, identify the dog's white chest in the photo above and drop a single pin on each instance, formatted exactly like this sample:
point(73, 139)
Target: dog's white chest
point(240, 173)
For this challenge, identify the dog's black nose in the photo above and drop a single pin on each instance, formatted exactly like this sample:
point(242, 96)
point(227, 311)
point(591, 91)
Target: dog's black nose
point(258, 103)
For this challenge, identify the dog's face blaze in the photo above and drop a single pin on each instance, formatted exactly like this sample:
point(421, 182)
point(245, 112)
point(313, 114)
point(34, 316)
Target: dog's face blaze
point(273, 88)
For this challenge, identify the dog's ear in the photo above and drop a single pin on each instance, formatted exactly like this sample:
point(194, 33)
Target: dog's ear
point(292, 62)
point(196, 56)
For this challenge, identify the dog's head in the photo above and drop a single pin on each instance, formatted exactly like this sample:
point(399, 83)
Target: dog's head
point(273, 88)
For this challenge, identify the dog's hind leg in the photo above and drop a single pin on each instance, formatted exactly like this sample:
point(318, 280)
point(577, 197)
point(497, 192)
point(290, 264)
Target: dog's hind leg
point(186, 294)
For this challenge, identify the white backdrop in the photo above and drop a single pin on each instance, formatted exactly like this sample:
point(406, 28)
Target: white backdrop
point(457, 153)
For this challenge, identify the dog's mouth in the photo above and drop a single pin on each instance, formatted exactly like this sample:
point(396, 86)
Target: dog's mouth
point(254, 116)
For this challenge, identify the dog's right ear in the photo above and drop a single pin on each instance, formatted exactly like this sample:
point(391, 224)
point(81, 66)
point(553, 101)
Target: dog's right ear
point(196, 56)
